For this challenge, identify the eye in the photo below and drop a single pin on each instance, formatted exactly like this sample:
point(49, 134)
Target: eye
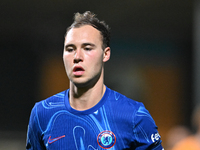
point(88, 48)
point(69, 49)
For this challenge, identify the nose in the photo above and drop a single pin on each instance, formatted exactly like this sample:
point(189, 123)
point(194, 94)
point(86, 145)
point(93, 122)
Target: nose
point(78, 56)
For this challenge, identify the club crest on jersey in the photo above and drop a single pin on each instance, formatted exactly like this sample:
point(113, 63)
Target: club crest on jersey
point(106, 139)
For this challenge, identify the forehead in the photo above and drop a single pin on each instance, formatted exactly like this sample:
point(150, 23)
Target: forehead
point(84, 33)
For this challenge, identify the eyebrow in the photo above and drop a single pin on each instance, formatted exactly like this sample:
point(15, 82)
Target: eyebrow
point(90, 44)
point(84, 44)
point(68, 45)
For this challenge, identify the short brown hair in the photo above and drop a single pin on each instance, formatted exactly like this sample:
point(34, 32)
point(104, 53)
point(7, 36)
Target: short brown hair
point(89, 18)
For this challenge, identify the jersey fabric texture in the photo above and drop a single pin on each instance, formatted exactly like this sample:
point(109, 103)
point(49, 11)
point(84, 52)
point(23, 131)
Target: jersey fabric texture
point(115, 123)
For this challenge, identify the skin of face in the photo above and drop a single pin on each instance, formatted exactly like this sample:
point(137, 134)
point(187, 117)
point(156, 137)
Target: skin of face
point(84, 57)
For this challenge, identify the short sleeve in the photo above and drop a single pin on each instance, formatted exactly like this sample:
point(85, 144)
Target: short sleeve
point(145, 131)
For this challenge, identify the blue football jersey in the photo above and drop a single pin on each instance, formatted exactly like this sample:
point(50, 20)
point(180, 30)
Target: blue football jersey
point(115, 123)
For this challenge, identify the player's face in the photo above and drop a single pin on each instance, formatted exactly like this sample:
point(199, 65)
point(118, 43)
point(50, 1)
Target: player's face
point(83, 55)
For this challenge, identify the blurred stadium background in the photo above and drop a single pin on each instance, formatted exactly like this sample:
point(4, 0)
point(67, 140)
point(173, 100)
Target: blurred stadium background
point(155, 57)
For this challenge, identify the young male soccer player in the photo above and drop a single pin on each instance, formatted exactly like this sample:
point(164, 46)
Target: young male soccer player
point(89, 115)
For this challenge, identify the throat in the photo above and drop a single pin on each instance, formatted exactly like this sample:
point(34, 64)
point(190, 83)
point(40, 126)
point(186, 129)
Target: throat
point(83, 100)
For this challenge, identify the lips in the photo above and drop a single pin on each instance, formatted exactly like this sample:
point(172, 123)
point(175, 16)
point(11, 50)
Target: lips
point(78, 71)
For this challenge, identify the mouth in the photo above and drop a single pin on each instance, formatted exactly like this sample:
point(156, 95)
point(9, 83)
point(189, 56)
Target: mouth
point(78, 71)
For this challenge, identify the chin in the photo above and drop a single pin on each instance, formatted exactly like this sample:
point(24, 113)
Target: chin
point(84, 84)
point(79, 83)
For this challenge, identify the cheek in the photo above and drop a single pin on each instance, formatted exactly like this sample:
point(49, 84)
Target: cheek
point(96, 62)
point(67, 62)
point(95, 57)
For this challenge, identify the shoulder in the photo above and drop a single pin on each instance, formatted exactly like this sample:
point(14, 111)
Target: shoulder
point(124, 102)
point(143, 125)
point(45, 109)
point(133, 109)
point(54, 101)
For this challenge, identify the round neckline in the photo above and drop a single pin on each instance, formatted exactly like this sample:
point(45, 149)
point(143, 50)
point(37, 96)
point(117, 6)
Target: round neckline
point(88, 111)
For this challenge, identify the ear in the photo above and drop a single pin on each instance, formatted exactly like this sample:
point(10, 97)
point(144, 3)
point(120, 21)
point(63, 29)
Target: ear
point(106, 55)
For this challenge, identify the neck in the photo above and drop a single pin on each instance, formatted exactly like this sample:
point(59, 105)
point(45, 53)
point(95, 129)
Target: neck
point(83, 98)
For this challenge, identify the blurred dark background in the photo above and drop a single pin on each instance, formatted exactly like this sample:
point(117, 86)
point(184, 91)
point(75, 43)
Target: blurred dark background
point(152, 55)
